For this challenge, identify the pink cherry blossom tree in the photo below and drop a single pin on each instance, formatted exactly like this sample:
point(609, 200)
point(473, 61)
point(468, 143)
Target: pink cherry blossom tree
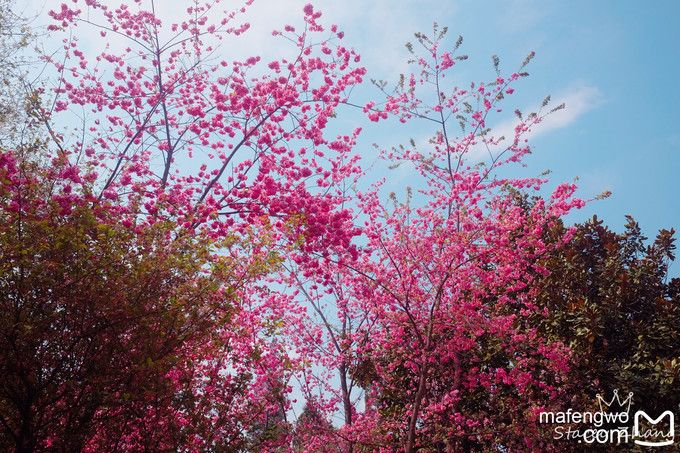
point(429, 319)
point(449, 271)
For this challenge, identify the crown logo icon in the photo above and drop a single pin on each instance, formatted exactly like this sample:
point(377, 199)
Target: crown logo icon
point(616, 404)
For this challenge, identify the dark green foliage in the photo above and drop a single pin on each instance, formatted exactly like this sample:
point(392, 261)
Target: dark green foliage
point(611, 300)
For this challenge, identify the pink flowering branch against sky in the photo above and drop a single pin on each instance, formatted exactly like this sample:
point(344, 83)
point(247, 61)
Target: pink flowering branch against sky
point(611, 63)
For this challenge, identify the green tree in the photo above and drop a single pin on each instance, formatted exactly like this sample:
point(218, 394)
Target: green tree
point(95, 312)
point(611, 300)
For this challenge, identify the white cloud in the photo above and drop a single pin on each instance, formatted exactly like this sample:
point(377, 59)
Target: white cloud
point(579, 99)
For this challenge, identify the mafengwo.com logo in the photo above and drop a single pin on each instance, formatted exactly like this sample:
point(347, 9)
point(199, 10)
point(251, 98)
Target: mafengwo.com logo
point(612, 424)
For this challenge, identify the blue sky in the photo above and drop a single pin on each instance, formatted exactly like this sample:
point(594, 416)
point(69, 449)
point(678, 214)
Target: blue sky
point(613, 62)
